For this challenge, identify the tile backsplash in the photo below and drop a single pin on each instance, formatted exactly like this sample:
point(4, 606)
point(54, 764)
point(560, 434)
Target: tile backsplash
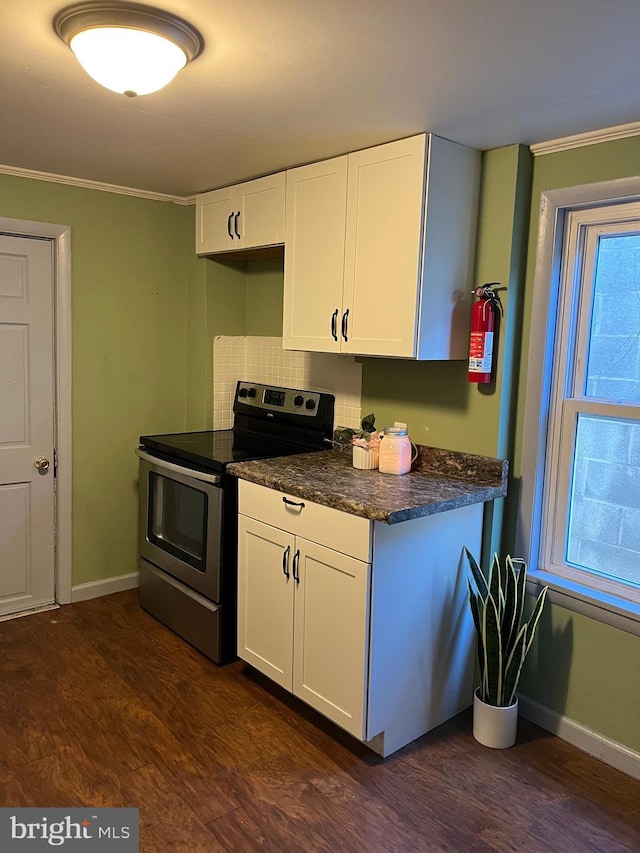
point(262, 359)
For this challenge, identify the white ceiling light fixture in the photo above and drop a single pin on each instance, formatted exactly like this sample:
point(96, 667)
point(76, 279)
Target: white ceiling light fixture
point(127, 47)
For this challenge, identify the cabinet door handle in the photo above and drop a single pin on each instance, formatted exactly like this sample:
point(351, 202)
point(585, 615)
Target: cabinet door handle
point(285, 562)
point(229, 225)
point(235, 224)
point(334, 325)
point(296, 566)
point(293, 503)
point(344, 324)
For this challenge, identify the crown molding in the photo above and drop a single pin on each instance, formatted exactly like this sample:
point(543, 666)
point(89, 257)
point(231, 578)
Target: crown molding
point(607, 134)
point(95, 185)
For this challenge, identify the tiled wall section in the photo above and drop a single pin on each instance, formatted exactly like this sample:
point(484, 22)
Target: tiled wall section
point(262, 359)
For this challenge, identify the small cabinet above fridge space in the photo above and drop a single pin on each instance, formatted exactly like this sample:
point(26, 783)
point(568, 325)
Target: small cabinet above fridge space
point(240, 217)
point(380, 249)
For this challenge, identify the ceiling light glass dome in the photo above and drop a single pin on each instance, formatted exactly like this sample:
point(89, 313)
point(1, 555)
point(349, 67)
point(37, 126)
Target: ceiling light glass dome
point(128, 48)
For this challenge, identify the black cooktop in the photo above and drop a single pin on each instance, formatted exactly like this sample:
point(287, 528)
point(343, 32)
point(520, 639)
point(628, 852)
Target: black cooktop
point(212, 450)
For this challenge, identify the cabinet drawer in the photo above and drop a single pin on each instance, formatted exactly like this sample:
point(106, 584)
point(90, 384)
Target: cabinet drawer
point(340, 531)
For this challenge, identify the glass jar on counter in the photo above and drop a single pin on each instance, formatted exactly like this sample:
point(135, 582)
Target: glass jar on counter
point(397, 451)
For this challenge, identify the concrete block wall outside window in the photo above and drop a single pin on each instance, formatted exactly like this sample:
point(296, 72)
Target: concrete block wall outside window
point(604, 528)
point(605, 519)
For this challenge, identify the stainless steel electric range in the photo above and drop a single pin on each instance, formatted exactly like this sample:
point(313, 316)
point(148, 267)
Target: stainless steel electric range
point(188, 508)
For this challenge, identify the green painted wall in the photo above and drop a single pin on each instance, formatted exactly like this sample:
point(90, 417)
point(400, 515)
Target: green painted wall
point(587, 671)
point(216, 305)
point(199, 379)
point(243, 297)
point(264, 297)
point(584, 669)
point(228, 297)
point(129, 355)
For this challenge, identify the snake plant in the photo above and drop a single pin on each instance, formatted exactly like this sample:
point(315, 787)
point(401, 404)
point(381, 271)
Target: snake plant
point(504, 639)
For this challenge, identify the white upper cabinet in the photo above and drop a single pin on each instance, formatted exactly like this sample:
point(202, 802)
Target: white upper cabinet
point(314, 255)
point(244, 216)
point(380, 249)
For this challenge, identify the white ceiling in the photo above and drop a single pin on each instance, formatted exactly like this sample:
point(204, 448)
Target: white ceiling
point(283, 82)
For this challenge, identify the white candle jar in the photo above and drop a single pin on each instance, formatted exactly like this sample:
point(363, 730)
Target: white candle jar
point(397, 451)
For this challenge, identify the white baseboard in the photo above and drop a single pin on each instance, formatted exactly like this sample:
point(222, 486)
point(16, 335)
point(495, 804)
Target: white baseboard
point(612, 753)
point(42, 609)
point(95, 589)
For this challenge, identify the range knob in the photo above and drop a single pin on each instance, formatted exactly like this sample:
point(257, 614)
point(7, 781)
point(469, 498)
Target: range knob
point(242, 392)
point(252, 392)
point(310, 404)
point(298, 400)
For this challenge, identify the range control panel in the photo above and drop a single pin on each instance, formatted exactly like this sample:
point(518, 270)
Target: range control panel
point(272, 398)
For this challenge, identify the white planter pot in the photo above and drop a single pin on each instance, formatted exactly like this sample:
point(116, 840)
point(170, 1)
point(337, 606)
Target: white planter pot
point(492, 726)
point(365, 457)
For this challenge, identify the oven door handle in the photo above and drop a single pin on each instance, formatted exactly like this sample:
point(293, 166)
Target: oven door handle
point(178, 469)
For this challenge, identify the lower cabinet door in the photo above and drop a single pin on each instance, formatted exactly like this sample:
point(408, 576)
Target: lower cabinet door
point(265, 599)
point(331, 630)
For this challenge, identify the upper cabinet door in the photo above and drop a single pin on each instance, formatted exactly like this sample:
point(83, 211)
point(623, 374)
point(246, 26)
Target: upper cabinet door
point(385, 213)
point(245, 216)
point(316, 203)
point(261, 204)
point(214, 221)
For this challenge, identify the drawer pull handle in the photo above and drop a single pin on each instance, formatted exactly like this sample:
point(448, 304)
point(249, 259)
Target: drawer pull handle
point(296, 566)
point(229, 225)
point(293, 503)
point(285, 562)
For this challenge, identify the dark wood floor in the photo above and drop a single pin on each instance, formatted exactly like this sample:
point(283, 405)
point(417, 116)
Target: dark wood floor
point(101, 705)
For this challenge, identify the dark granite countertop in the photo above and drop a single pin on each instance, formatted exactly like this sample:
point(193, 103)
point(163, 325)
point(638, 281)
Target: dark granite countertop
point(439, 480)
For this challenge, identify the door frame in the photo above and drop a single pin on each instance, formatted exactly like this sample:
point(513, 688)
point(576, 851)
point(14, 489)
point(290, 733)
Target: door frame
point(60, 237)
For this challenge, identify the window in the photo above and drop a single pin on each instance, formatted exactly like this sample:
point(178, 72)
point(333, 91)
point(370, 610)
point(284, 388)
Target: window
point(584, 482)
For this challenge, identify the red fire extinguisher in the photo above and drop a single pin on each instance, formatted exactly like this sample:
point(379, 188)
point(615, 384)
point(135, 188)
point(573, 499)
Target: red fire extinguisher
point(483, 325)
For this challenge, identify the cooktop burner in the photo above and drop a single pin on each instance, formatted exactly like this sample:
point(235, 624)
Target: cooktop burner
point(268, 421)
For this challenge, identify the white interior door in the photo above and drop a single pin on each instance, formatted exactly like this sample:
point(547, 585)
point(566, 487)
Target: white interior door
point(27, 532)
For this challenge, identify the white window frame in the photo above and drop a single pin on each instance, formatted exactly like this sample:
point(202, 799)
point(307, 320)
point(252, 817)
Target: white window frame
point(546, 473)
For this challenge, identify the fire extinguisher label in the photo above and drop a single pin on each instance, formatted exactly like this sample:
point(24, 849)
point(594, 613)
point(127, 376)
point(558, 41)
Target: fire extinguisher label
point(480, 352)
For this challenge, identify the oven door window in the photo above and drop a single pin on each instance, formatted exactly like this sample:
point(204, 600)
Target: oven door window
point(178, 519)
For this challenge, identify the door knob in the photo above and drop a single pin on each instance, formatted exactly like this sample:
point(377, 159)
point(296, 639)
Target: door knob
point(42, 464)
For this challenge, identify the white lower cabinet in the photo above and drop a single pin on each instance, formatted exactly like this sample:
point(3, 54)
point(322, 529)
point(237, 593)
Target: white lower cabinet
point(366, 622)
point(303, 619)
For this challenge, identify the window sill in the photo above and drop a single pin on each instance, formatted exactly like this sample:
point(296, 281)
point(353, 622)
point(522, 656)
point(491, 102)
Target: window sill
point(603, 607)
